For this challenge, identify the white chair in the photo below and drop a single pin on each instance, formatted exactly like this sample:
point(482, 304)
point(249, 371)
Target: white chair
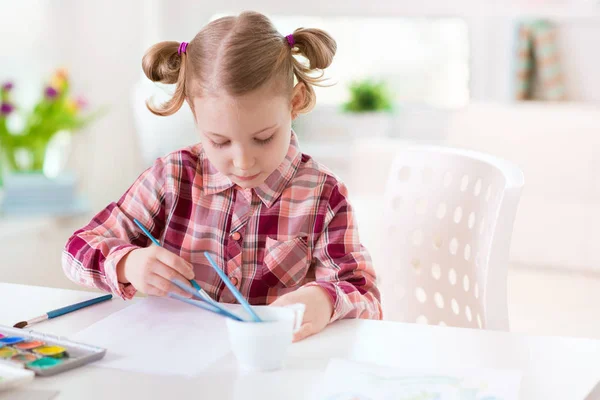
point(449, 217)
point(159, 136)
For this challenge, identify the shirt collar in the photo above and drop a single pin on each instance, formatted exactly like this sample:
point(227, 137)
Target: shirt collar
point(212, 180)
point(270, 190)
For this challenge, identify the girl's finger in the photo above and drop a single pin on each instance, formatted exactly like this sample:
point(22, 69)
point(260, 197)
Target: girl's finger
point(305, 331)
point(164, 286)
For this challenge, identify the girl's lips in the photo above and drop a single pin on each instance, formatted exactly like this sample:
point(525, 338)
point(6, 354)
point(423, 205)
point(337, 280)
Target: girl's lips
point(247, 178)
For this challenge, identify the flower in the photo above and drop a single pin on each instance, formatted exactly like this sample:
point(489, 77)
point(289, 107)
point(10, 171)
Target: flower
point(56, 111)
point(6, 108)
point(81, 102)
point(59, 79)
point(62, 73)
point(72, 106)
point(51, 92)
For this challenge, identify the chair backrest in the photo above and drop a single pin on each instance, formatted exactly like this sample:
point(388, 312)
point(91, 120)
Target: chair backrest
point(449, 216)
point(159, 136)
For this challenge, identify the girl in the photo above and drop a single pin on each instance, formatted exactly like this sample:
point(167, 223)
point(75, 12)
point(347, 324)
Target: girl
point(278, 223)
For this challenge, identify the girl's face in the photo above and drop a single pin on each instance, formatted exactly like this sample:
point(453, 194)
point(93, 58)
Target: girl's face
point(247, 137)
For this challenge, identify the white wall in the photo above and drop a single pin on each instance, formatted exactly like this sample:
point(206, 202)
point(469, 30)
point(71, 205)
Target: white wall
point(558, 148)
point(103, 42)
point(30, 47)
point(491, 24)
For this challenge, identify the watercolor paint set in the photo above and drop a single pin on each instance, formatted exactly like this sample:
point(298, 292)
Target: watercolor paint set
point(42, 353)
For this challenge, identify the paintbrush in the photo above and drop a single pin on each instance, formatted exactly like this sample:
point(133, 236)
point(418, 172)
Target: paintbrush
point(205, 306)
point(236, 293)
point(205, 298)
point(62, 311)
point(157, 243)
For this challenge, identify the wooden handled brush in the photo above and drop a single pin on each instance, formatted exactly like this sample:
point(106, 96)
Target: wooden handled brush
point(63, 311)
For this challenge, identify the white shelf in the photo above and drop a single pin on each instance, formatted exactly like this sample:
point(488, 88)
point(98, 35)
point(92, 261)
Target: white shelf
point(18, 226)
point(15, 226)
point(327, 149)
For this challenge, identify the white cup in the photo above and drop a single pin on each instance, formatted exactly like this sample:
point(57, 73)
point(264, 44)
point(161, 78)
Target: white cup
point(262, 346)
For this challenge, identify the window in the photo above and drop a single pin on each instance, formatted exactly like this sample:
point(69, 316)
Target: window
point(422, 60)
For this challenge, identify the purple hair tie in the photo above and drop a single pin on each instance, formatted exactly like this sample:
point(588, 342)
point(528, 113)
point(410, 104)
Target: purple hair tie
point(182, 47)
point(290, 40)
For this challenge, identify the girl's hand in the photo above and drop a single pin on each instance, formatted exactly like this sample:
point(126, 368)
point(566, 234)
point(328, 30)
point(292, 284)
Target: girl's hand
point(151, 269)
point(318, 309)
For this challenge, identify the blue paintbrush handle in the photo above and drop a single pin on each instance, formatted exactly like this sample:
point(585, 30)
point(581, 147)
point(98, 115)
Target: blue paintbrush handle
point(75, 307)
point(207, 300)
point(234, 290)
point(146, 232)
point(156, 242)
point(204, 306)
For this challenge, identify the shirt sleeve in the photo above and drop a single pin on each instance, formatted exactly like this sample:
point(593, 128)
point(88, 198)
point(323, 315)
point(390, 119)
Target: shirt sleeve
point(91, 254)
point(343, 267)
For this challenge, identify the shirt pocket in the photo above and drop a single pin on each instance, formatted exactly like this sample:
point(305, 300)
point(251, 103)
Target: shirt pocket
point(285, 263)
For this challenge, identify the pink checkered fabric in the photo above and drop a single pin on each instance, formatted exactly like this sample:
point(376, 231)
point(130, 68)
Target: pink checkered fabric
point(296, 229)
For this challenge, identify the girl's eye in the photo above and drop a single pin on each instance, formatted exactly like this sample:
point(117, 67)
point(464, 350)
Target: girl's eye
point(219, 145)
point(264, 141)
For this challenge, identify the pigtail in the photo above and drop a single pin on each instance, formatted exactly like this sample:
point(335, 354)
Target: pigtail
point(319, 48)
point(164, 63)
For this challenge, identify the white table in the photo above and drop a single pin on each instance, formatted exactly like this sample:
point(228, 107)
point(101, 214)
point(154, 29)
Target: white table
point(554, 367)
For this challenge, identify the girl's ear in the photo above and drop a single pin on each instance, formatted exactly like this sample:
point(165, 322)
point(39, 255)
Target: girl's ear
point(298, 98)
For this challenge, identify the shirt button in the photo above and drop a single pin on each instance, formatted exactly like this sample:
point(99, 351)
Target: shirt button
point(236, 236)
point(234, 280)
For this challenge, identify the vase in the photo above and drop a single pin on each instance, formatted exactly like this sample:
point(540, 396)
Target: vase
point(36, 156)
point(57, 154)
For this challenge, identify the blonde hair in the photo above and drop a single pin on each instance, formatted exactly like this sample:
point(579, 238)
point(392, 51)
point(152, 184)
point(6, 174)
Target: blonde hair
point(239, 54)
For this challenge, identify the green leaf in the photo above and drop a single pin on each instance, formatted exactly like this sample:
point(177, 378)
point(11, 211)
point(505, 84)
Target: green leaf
point(368, 96)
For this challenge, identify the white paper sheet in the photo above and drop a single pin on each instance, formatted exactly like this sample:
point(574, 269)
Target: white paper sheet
point(348, 380)
point(159, 336)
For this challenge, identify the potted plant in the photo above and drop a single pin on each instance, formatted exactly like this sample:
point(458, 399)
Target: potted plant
point(55, 114)
point(369, 108)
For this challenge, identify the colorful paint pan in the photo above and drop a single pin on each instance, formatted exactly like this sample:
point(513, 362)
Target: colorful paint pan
point(51, 351)
point(45, 362)
point(29, 345)
point(7, 352)
point(57, 355)
point(11, 340)
point(24, 358)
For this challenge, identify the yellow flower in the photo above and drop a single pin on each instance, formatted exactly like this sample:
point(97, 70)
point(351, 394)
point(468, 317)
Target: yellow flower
point(72, 106)
point(59, 79)
point(63, 73)
point(56, 83)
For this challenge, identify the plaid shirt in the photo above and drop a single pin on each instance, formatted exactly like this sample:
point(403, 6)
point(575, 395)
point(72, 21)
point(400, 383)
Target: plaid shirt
point(296, 229)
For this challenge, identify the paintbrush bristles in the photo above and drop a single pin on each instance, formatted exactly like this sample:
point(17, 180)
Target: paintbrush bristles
point(32, 321)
